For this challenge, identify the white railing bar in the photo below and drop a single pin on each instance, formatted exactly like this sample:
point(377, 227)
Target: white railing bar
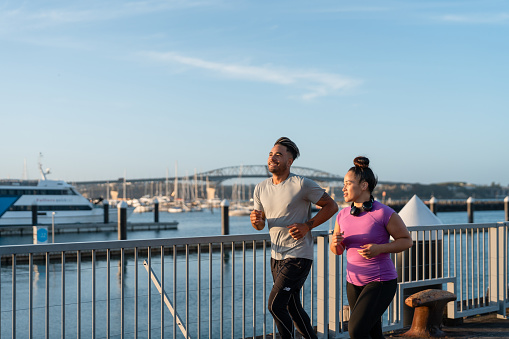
point(221, 274)
point(161, 306)
point(311, 293)
point(467, 271)
point(175, 315)
point(441, 251)
point(254, 289)
point(233, 290)
point(62, 307)
point(472, 270)
point(187, 286)
point(243, 289)
point(210, 290)
point(149, 288)
point(410, 263)
point(449, 253)
point(199, 291)
point(430, 254)
point(439, 243)
point(455, 264)
point(108, 296)
point(478, 269)
point(342, 291)
point(78, 295)
point(122, 293)
point(172, 308)
point(264, 290)
point(47, 297)
point(136, 292)
point(0, 296)
point(484, 266)
point(93, 294)
point(420, 273)
point(13, 319)
point(452, 226)
point(461, 271)
point(30, 295)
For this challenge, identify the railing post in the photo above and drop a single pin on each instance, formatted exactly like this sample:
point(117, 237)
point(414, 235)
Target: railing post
point(322, 297)
point(335, 304)
point(498, 268)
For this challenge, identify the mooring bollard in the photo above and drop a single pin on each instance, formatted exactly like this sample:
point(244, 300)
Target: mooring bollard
point(433, 205)
point(34, 214)
point(225, 218)
point(122, 220)
point(506, 208)
point(106, 206)
point(156, 210)
point(470, 209)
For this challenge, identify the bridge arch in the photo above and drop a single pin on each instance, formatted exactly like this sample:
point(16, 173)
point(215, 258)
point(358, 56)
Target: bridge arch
point(261, 171)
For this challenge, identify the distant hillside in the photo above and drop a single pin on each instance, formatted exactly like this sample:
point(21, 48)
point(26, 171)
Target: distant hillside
point(450, 190)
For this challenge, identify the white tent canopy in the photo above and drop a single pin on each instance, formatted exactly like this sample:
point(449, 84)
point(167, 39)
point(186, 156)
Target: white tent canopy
point(416, 213)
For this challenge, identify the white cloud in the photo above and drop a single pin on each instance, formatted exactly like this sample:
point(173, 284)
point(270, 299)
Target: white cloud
point(36, 17)
point(477, 18)
point(316, 84)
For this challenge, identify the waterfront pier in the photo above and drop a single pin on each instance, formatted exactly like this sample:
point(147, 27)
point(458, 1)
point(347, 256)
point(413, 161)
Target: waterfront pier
point(218, 285)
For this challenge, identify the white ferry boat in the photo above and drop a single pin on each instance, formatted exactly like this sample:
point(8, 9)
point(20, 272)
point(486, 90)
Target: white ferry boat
point(57, 201)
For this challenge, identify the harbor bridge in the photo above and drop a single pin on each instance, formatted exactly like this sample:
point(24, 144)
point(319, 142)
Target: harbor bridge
point(232, 172)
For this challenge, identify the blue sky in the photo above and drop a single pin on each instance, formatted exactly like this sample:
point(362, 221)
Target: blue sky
point(103, 88)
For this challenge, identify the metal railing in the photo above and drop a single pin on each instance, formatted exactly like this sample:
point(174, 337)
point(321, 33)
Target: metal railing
point(217, 287)
point(196, 287)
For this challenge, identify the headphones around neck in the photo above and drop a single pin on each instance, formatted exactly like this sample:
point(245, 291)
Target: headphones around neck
point(366, 206)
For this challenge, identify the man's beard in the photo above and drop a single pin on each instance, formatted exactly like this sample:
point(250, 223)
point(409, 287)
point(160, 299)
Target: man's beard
point(278, 169)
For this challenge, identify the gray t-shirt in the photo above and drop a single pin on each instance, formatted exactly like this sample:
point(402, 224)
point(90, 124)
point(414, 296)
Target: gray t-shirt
point(285, 204)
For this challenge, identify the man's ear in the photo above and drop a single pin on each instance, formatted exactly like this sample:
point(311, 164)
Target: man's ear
point(290, 161)
point(364, 185)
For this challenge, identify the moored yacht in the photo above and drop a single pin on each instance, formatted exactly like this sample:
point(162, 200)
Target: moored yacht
point(18, 196)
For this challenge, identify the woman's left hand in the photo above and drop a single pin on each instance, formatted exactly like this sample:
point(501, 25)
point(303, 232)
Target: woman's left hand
point(369, 251)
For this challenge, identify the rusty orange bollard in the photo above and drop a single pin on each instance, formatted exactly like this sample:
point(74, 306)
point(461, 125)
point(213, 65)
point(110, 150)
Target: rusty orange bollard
point(429, 308)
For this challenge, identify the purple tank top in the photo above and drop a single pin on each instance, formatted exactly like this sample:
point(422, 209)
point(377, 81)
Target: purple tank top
point(366, 228)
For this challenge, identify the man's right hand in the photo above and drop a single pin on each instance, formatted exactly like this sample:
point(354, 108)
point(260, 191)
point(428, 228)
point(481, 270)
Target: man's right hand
point(257, 219)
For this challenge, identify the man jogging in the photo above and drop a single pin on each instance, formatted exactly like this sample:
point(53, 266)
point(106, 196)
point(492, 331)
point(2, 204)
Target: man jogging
point(285, 201)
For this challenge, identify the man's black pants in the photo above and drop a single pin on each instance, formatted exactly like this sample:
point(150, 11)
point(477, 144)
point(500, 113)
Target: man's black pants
point(284, 300)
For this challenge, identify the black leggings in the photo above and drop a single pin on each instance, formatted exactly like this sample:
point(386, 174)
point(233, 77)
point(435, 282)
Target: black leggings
point(367, 305)
point(284, 300)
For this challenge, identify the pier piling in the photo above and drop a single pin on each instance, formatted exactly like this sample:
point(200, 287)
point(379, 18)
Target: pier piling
point(34, 214)
point(122, 220)
point(506, 208)
point(106, 206)
point(470, 210)
point(225, 217)
point(156, 210)
point(433, 205)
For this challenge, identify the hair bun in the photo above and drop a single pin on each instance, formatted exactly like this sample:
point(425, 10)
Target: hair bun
point(361, 162)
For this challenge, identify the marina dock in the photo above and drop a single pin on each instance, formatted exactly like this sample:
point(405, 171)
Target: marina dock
point(87, 228)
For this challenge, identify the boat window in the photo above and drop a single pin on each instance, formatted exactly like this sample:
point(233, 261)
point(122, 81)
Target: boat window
point(18, 192)
point(52, 208)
